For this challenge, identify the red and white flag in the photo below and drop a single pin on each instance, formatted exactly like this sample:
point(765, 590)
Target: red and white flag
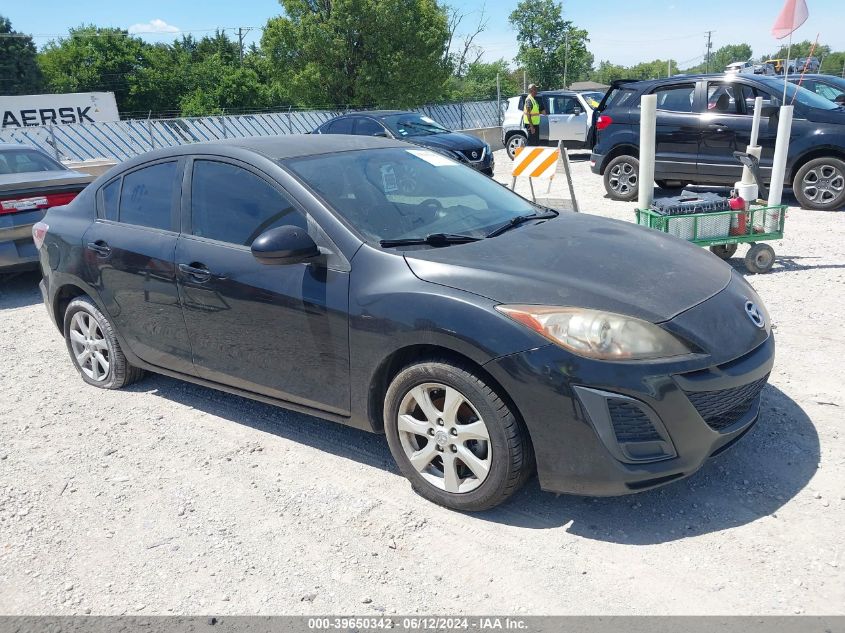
point(793, 15)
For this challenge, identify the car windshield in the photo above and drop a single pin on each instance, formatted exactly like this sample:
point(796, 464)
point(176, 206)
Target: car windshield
point(21, 161)
point(407, 125)
point(798, 94)
point(398, 193)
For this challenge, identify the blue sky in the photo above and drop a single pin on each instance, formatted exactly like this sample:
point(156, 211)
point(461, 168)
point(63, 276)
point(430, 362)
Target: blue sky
point(622, 31)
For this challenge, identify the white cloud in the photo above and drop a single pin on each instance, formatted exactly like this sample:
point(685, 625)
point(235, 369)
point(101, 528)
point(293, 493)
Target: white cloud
point(153, 26)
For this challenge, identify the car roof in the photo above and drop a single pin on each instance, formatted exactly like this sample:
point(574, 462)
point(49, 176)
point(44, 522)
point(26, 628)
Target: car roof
point(647, 83)
point(374, 113)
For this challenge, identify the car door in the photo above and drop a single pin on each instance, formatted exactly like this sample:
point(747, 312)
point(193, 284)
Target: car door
point(277, 330)
point(726, 118)
point(567, 119)
point(677, 131)
point(129, 253)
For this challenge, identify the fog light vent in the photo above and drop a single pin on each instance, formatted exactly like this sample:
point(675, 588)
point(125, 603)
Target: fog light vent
point(630, 423)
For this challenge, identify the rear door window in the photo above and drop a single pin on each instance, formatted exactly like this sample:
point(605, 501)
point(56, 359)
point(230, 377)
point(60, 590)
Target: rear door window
point(721, 98)
point(365, 126)
point(562, 105)
point(341, 126)
point(146, 198)
point(231, 204)
point(675, 98)
point(111, 199)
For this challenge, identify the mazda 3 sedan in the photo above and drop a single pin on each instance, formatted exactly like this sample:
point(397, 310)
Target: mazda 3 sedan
point(387, 287)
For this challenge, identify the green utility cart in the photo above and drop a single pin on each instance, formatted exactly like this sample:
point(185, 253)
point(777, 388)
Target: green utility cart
point(722, 231)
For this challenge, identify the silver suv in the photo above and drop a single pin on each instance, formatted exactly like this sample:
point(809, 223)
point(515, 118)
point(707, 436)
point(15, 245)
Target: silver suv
point(568, 118)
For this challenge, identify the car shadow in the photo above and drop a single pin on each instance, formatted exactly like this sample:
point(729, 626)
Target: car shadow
point(752, 480)
point(783, 264)
point(18, 290)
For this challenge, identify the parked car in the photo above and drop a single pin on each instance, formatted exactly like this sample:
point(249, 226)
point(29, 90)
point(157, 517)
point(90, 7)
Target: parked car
point(830, 87)
point(780, 64)
point(764, 69)
point(30, 183)
point(389, 288)
point(807, 64)
point(567, 119)
point(417, 129)
point(703, 119)
point(592, 97)
point(740, 67)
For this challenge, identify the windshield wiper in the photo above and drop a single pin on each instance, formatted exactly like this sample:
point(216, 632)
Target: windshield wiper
point(520, 219)
point(432, 239)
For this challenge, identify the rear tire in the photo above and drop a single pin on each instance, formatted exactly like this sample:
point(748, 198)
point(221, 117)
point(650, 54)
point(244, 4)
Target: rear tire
point(820, 184)
point(723, 251)
point(94, 349)
point(759, 259)
point(454, 438)
point(621, 178)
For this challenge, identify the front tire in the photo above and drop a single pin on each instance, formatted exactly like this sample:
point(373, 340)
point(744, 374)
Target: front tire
point(94, 349)
point(820, 184)
point(454, 438)
point(621, 178)
point(514, 142)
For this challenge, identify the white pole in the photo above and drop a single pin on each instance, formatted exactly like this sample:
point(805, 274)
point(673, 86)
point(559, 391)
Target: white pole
point(755, 122)
point(786, 67)
point(747, 176)
point(781, 150)
point(648, 127)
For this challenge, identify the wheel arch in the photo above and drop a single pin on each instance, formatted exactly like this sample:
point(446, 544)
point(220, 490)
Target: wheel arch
point(827, 151)
point(61, 300)
point(400, 358)
point(624, 149)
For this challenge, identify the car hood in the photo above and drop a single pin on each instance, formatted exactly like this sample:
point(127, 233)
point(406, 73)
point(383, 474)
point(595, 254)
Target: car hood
point(452, 140)
point(580, 260)
point(46, 179)
point(826, 116)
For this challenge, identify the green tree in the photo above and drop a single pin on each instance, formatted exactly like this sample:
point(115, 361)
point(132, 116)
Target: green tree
point(801, 49)
point(92, 59)
point(358, 52)
point(550, 45)
point(19, 72)
point(724, 56)
point(479, 82)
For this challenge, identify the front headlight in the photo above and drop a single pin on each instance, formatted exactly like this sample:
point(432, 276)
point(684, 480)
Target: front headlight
point(597, 334)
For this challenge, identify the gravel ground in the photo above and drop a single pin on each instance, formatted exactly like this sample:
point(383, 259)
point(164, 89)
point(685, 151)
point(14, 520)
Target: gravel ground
point(173, 498)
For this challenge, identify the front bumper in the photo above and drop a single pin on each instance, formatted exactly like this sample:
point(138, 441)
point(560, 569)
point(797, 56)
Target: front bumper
point(604, 429)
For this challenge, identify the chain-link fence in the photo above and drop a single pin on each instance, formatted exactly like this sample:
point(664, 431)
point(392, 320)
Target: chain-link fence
point(123, 139)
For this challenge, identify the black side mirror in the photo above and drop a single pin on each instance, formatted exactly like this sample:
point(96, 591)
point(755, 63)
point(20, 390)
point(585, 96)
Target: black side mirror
point(284, 245)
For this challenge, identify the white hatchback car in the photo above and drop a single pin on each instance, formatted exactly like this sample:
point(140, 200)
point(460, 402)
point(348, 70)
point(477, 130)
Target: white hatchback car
point(569, 115)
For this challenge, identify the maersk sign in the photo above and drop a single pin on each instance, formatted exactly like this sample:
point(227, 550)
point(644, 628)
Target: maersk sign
point(77, 107)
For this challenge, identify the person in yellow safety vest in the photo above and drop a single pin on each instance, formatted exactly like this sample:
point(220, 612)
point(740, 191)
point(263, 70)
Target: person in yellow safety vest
point(531, 112)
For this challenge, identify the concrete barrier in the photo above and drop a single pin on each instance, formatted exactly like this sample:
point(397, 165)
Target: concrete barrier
point(490, 135)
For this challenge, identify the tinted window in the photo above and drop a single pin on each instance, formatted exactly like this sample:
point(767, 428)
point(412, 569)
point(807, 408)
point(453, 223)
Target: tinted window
point(367, 127)
point(562, 105)
point(231, 204)
point(110, 199)
point(146, 198)
point(619, 97)
point(675, 98)
point(341, 126)
point(749, 94)
point(721, 99)
point(828, 92)
point(21, 161)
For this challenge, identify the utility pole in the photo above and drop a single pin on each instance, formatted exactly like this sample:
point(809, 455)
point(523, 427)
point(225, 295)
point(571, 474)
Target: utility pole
point(524, 81)
point(709, 46)
point(498, 100)
point(566, 60)
point(241, 35)
point(669, 68)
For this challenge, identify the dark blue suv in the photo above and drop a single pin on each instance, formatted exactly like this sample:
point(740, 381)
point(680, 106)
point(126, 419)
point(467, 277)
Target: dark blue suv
point(703, 119)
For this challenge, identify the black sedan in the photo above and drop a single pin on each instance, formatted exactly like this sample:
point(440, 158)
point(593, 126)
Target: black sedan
point(384, 286)
point(417, 129)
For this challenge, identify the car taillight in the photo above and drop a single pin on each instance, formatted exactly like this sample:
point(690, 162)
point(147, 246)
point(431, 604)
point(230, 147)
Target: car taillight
point(31, 203)
point(39, 232)
point(603, 121)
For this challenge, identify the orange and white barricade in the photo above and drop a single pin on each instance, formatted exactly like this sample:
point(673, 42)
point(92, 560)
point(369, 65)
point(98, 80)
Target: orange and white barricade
point(541, 162)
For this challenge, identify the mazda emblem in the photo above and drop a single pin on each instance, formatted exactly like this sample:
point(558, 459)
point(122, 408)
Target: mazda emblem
point(755, 314)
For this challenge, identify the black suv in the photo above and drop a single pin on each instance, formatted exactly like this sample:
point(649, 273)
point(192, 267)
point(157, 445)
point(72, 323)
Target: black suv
point(703, 119)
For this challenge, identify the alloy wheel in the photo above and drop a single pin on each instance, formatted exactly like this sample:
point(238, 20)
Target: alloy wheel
point(623, 178)
point(90, 347)
point(444, 437)
point(514, 143)
point(823, 184)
